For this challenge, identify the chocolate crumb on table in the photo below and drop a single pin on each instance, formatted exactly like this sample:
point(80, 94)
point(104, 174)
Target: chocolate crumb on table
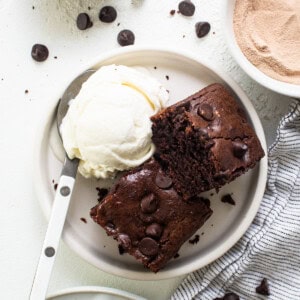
point(228, 199)
point(167, 77)
point(263, 288)
point(172, 12)
point(147, 217)
point(55, 186)
point(186, 8)
point(26, 91)
point(195, 239)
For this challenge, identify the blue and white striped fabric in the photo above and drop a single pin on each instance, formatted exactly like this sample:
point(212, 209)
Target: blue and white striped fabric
point(271, 246)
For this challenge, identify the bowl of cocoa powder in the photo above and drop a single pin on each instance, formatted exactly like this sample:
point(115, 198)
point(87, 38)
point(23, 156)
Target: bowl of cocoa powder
point(264, 38)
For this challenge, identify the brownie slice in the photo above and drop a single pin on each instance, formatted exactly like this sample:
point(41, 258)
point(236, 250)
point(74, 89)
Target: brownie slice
point(205, 141)
point(147, 217)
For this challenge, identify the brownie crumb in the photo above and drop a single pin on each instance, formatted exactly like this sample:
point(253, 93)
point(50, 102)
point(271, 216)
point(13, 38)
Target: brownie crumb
point(263, 288)
point(33, 7)
point(39, 52)
point(55, 57)
point(195, 239)
point(55, 186)
point(89, 8)
point(202, 233)
point(26, 91)
point(176, 255)
point(83, 220)
point(118, 24)
point(53, 180)
point(172, 12)
point(155, 67)
point(186, 8)
point(101, 193)
point(183, 36)
point(121, 250)
point(228, 199)
point(167, 77)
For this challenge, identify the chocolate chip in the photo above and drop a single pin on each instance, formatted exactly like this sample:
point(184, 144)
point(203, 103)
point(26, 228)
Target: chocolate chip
point(83, 21)
point(231, 296)
point(228, 199)
point(172, 12)
point(124, 240)
point(39, 52)
point(154, 230)
point(187, 8)
point(239, 149)
point(149, 204)
point(162, 181)
point(107, 14)
point(126, 37)
point(263, 288)
point(202, 29)
point(195, 239)
point(148, 246)
point(206, 112)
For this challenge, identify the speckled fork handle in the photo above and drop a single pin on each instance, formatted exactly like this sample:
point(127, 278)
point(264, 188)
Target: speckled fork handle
point(54, 230)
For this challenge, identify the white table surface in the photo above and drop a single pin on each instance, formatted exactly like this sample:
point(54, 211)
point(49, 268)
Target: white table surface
point(53, 23)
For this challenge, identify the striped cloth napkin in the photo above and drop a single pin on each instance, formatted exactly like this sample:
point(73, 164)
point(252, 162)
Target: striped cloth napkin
point(271, 246)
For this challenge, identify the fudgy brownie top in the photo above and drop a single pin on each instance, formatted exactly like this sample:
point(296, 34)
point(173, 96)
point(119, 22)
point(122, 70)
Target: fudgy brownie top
point(147, 217)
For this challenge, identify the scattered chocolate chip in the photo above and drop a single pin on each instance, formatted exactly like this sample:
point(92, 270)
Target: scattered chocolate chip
point(162, 181)
point(149, 204)
point(83, 220)
point(263, 288)
point(55, 186)
point(148, 246)
point(154, 230)
point(101, 193)
point(172, 12)
point(124, 240)
point(126, 37)
point(195, 239)
point(26, 91)
point(121, 250)
point(206, 112)
point(39, 52)
point(107, 14)
point(239, 149)
point(202, 29)
point(231, 296)
point(83, 21)
point(228, 199)
point(176, 255)
point(187, 8)
point(167, 77)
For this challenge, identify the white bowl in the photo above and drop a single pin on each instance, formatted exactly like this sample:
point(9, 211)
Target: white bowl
point(187, 74)
point(280, 87)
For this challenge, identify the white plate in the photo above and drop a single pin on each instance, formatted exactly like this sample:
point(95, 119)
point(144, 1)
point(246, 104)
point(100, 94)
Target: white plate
point(93, 293)
point(187, 75)
point(281, 87)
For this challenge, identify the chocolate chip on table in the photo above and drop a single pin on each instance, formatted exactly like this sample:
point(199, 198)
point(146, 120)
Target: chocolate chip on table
point(202, 29)
point(263, 288)
point(39, 52)
point(186, 8)
point(228, 199)
point(126, 37)
point(149, 204)
point(206, 112)
point(154, 230)
point(172, 12)
point(239, 149)
point(148, 246)
point(107, 14)
point(83, 21)
point(162, 181)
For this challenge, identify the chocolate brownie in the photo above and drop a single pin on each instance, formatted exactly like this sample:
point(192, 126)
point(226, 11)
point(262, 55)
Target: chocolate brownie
point(147, 217)
point(205, 141)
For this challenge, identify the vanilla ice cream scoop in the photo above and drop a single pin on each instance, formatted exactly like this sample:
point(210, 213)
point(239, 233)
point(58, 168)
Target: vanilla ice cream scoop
point(107, 125)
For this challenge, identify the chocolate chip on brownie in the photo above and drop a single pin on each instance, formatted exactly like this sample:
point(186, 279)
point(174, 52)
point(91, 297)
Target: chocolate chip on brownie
point(186, 8)
point(195, 239)
point(202, 29)
point(39, 52)
point(107, 14)
point(83, 21)
point(263, 288)
point(126, 37)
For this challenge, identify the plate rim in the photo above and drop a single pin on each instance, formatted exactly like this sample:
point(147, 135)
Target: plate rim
point(40, 189)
